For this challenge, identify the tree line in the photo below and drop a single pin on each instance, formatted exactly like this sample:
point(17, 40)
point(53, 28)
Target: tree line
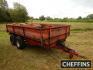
point(19, 14)
point(88, 18)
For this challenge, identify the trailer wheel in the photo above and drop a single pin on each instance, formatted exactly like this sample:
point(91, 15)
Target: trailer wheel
point(20, 44)
point(13, 39)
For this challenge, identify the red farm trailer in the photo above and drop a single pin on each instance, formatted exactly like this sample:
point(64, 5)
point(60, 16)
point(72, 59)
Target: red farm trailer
point(45, 35)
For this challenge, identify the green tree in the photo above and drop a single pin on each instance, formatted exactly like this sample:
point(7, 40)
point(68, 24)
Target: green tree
point(42, 18)
point(79, 17)
point(3, 4)
point(19, 13)
point(65, 19)
point(90, 16)
point(4, 15)
point(49, 18)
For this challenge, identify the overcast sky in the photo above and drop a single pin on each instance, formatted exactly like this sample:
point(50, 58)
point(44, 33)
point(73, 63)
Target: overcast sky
point(56, 8)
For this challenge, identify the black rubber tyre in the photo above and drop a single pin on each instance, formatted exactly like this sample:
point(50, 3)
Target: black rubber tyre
point(20, 44)
point(13, 39)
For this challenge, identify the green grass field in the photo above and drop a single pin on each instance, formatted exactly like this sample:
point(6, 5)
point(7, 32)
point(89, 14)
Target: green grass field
point(36, 58)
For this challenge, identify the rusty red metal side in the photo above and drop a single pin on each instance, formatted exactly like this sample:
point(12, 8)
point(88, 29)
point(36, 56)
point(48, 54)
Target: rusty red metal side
point(41, 34)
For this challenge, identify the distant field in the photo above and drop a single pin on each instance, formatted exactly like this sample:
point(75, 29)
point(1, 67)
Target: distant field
point(74, 25)
point(35, 58)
